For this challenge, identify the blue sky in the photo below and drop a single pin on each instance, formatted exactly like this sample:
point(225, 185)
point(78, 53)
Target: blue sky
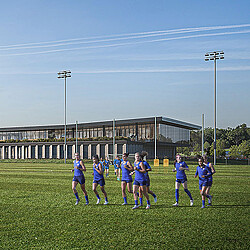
point(119, 69)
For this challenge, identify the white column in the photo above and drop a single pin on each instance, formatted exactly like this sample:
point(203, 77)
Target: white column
point(124, 148)
point(9, 152)
point(58, 154)
point(81, 151)
point(50, 151)
point(23, 152)
point(36, 152)
point(73, 151)
point(29, 152)
point(16, 152)
point(115, 153)
point(43, 152)
point(106, 149)
point(89, 151)
point(98, 150)
point(3, 152)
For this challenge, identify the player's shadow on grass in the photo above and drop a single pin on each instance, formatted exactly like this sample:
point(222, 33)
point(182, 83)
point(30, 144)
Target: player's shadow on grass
point(230, 206)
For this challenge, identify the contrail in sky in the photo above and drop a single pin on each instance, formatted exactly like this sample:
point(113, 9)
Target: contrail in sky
point(116, 37)
point(129, 43)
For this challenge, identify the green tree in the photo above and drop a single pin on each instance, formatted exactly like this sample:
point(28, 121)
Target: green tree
point(207, 147)
point(220, 148)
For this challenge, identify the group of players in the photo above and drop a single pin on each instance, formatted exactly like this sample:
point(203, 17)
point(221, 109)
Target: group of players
point(141, 184)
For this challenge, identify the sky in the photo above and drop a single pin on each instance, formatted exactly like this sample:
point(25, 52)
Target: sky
point(129, 59)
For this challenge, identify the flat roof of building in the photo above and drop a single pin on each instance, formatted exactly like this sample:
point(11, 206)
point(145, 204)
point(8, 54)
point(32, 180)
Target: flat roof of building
point(123, 122)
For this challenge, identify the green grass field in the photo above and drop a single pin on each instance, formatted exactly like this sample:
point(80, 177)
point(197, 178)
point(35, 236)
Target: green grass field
point(37, 211)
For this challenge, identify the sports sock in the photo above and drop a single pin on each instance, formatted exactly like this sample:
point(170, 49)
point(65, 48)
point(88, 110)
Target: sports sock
point(203, 202)
point(136, 202)
point(125, 199)
point(188, 193)
point(137, 194)
point(106, 199)
point(148, 202)
point(87, 198)
point(177, 195)
point(77, 197)
point(140, 199)
point(98, 197)
point(153, 195)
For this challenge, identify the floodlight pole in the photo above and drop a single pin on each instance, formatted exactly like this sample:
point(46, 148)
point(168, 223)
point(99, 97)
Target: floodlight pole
point(202, 136)
point(76, 151)
point(216, 55)
point(113, 139)
point(155, 138)
point(65, 74)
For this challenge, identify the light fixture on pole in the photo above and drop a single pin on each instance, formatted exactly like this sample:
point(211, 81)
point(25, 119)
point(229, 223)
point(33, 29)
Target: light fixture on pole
point(214, 56)
point(65, 74)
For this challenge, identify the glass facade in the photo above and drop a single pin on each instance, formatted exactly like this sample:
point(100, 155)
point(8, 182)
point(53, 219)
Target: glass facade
point(173, 134)
point(136, 132)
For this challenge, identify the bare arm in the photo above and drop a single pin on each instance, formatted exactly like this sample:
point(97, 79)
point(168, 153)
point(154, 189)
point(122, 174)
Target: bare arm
point(83, 166)
point(129, 167)
point(99, 168)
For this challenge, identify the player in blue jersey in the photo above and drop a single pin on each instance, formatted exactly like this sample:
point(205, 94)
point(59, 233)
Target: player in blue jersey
point(102, 162)
point(127, 180)
point(148, 168)
point(98, 179)
point(140, 180)
point(117, 166)
point(210, 179)
point(107, 163)
point(78, 170)
point(181, 178)
point(204, 173)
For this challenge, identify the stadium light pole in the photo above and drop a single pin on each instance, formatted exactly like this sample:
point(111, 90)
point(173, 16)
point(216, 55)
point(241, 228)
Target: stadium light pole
point(65, 74)
point(202, 135)
point(76, 151)
point(214, 56)
point(113, 139)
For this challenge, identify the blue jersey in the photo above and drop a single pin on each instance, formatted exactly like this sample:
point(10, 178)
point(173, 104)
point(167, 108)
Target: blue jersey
point(97, 176)
point(147, 166)
point(180, 174)
point(200, 171)
point(210, 178)
point(77, 172)
point(138, 175)
point(117, 163)
point(102, 163)
point(107, 162)
point(125, 172)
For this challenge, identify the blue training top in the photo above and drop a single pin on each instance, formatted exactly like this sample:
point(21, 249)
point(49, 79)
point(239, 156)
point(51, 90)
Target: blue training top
point(138, 175)
point(147, 166)
point(97, 176)
point(102, 163)
point(117, 162)
point(77, 172)
point(210, 178)
point(180, 174)
point(203, 171)
point(107, 162)
point(125, 172)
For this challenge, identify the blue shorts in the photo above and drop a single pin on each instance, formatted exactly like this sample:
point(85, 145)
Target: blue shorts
point(181, 180)
point(106, 167)
point(148, 182)
point(100, 182)
point(127, 181)
point(203, 184)
point(79, 179)
point(117, 167)
point(209, 183)
point(139, 183)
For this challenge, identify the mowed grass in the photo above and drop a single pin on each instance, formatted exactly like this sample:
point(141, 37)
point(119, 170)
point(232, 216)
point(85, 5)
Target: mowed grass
point(37, 211)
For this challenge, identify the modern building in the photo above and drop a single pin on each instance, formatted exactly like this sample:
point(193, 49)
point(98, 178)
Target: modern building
point(131, 135)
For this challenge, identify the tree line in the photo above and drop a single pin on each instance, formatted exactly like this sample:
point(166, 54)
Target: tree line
point(230, 142)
